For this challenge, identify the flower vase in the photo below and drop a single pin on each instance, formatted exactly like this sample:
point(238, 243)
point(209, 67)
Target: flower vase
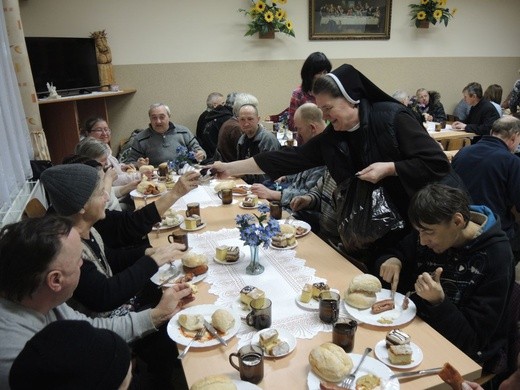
point(254, 267)
point(423, 24)
point(266, 35)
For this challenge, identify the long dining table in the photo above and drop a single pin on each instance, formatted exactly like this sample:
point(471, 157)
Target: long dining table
point(291, 371)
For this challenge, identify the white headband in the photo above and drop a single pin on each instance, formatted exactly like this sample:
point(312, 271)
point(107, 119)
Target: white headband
point(343, 92)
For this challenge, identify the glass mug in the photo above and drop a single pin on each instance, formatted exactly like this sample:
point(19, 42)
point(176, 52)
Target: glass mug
point(260, 315)
point(192, 209)
point(275, 209)
point(226, 195)
point(329, 306)
point(180, 238)
point(250, 363)
point(343, 332)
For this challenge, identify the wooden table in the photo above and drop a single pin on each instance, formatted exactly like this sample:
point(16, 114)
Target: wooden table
point(290, 372)
point(450, 134)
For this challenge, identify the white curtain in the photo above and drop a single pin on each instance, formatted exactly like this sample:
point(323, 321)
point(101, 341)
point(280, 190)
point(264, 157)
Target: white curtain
point(15, 144)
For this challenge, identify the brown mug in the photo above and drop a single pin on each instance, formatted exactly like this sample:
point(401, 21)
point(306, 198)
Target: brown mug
point(179, 238)
point(275, 209)
point(226, 195)
point(260, 315)
point(343, 332)
point(250, 363)
point(438, 127)
point(289, 143)
point(329, 306)
point(193, 209)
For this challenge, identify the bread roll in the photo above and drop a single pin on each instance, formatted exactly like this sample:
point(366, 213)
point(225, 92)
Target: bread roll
point(225, 185)
point(193, 259)
point(191, 321)
point(287, 229)
point(330, 362)
point(222, 320)
point(362, 290)
point(146, 168)
point(365, 283)
point(214, 382)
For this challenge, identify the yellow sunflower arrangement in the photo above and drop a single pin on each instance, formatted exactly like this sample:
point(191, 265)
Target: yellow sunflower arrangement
point(433, 11)
point(266, 16)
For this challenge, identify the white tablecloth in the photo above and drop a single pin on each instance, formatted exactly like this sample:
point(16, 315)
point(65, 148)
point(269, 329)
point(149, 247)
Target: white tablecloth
point(204, 194)
point(282, 281)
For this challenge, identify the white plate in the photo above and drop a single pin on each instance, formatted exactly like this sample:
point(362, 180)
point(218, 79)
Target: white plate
point(137, 194)
point(156, 277)
point(241, 205)
point(313, 304)
point(397, 315)
point(282, 249)
point(370, 366)
point(297, 222)
point(183, 227)
point(283, 335)
point(381, 353)
point(180, 220)
point(240, 258)
point(205, 310)
point(243, 385)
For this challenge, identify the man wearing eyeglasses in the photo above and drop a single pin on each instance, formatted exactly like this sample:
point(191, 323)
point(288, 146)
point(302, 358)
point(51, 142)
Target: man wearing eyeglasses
point(158, 143)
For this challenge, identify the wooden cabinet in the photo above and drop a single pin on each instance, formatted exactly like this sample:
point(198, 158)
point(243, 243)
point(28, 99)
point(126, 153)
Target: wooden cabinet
point(62, 119)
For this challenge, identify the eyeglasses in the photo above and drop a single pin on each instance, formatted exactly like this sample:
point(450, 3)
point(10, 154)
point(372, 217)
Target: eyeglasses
point(101, 130)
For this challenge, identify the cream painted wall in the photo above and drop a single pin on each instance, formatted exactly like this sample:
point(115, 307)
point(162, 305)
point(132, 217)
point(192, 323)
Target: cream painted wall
point(157, 50)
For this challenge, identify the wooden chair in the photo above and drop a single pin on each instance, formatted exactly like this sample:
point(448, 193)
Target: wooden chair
point(33, 209)
point(457, 144)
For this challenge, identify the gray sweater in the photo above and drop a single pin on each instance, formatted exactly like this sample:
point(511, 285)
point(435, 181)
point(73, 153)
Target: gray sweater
point(18, 324)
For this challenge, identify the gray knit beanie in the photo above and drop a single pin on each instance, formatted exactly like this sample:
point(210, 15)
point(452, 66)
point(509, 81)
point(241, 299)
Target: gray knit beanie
point(69, 186)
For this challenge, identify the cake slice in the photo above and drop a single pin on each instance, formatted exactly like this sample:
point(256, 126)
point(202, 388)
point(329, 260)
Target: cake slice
point(281, 348)
point(317, 288)
point(269, 339)
point(232, 254)
point(279, 241)
point(400, 354)
point(248, 293)
point(397, 337)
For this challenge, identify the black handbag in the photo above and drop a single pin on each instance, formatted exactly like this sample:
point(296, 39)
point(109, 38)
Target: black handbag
point(365, 213)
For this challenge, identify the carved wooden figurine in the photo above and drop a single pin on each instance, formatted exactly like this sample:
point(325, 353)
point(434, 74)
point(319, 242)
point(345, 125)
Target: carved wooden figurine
point(104, 60)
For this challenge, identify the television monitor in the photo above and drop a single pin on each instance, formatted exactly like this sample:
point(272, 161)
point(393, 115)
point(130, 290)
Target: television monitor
point(70, 64)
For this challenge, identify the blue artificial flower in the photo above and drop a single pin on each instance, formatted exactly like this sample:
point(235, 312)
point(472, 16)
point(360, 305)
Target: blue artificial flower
point(253, 233)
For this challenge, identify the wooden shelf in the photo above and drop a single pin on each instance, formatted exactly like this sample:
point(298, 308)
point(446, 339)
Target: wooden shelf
point(62, 119)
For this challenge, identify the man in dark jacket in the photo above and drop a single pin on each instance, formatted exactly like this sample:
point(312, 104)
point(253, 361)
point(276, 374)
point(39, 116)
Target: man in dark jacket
point(491, 173)
point(458, 263)
point(481, 115)
point(428, 105)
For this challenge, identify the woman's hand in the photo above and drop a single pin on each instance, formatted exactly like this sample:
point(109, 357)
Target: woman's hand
point(166, 253)
point(187, 182)
point(220, 169)
point(377, 171)
point(429, 288)
point(390, 271)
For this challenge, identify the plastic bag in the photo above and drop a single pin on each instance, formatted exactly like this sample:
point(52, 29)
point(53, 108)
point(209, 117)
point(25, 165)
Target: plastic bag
point(365, 213)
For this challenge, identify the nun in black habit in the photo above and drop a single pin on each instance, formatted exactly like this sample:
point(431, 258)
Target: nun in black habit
point(370, 136)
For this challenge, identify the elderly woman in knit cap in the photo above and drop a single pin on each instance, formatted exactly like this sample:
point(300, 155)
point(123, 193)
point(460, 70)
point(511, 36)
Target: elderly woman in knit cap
point(99, 151)
point(370, 136)
point(72, 355)
point(111, 274)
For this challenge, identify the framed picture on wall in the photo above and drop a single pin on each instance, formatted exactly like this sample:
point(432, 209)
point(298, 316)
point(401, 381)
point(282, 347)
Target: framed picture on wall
point(349, 19)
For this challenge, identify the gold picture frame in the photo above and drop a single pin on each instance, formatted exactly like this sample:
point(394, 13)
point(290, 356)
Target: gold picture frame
point(349, 19)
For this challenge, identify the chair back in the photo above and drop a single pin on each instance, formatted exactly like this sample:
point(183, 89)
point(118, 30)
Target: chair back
point(33, 209)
